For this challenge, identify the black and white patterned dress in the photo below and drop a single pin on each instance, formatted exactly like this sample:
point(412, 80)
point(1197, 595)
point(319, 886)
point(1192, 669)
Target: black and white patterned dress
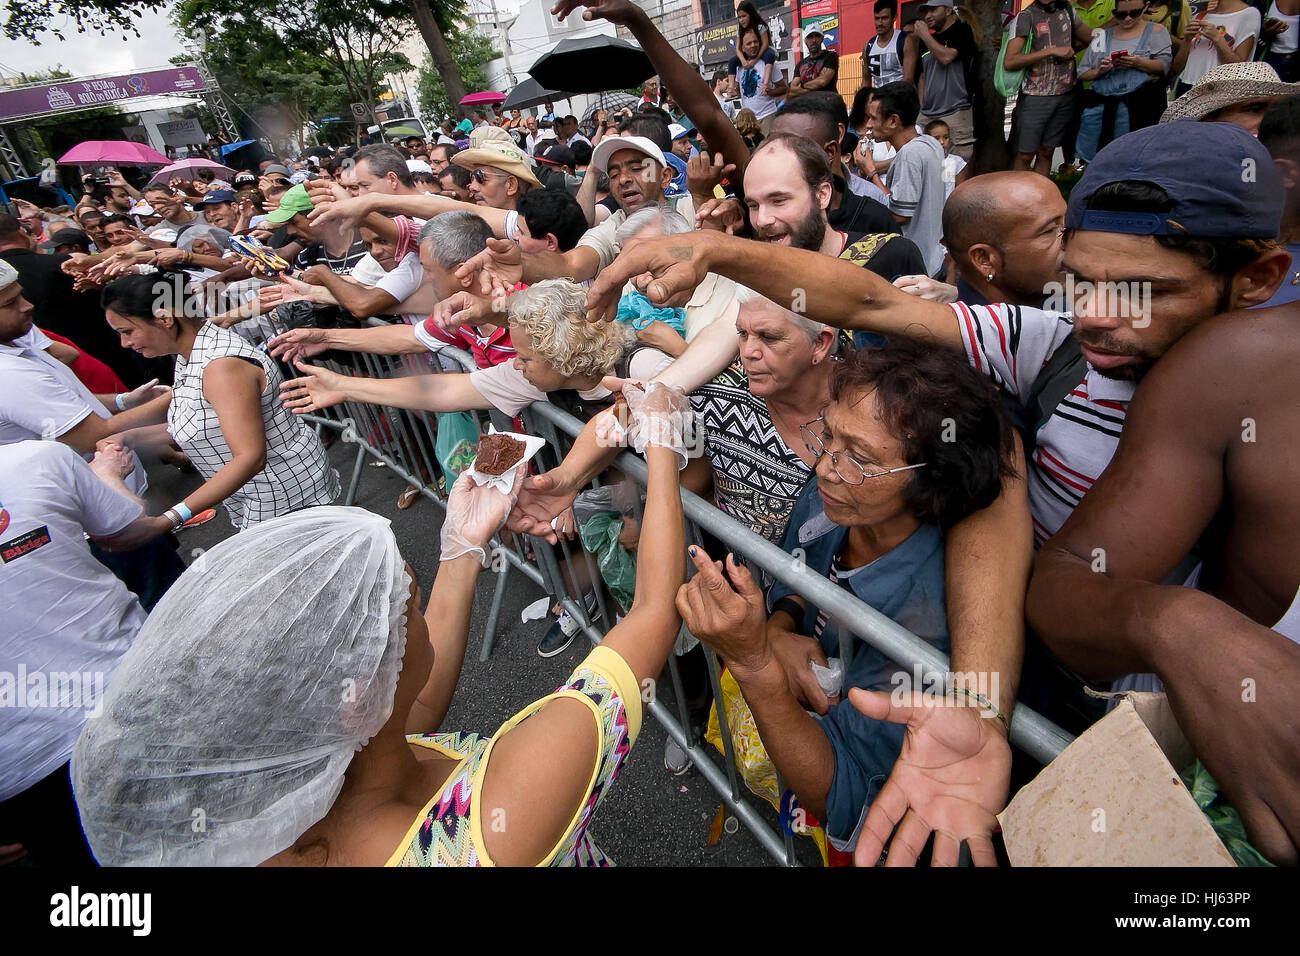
point(297, 473)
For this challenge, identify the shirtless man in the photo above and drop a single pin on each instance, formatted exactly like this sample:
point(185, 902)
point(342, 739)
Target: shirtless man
point(1208, 455)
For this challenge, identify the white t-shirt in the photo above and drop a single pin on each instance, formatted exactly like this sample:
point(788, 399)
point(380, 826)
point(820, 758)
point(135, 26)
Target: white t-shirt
point(952, 167)
point(367, 271)
point(405, 278)
point(42, 398)
point(506, 388)
point(67, 618)
point(1204, 56)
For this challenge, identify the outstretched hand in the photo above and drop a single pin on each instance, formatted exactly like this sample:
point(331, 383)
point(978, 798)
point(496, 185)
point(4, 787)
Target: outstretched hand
point(726, 612)
point(318, 388)
point(666, 268)
point(951, 779)
point(615, 11)
point(540, 501)
point(500, 268)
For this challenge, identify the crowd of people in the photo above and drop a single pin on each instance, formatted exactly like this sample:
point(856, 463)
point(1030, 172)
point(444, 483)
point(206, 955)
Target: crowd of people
point(1046, 434)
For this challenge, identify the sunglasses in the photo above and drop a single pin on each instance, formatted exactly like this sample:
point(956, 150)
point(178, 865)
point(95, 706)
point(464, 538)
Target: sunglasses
point(1129, 14)
point(480, 177)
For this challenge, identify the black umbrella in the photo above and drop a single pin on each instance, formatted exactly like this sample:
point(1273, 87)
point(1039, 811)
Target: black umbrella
point(531, 93)
point(592, 65)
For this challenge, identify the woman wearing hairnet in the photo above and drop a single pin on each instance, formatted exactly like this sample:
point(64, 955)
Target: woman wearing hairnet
point(269, 709)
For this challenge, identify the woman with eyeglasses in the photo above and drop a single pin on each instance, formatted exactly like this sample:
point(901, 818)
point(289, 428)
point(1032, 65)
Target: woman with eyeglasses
point(911, 441)
point(1126, 65)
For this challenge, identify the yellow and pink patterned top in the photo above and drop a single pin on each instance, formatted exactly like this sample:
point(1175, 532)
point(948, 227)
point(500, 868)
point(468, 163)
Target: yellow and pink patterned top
point(449, 831)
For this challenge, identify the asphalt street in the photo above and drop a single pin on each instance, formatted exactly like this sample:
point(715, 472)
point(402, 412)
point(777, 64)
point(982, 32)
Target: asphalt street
point(649, 818)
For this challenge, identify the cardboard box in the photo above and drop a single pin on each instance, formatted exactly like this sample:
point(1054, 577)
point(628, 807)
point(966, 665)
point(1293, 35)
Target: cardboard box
point(1113, 798)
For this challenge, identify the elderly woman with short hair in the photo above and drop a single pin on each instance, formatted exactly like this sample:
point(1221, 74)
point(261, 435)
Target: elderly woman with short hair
point(559, 356)
point(912, 441)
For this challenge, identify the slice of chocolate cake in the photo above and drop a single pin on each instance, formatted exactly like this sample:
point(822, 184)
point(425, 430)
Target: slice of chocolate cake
point(497, 454)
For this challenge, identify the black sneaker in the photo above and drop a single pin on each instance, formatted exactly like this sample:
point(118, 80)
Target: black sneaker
point(559, 636)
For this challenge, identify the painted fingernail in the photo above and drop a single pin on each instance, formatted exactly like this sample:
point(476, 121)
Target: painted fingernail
point(691, 551)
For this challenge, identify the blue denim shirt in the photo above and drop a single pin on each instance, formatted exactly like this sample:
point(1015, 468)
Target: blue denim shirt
point(907, 586)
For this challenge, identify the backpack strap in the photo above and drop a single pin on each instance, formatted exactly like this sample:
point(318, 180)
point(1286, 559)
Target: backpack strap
point(1064, 370)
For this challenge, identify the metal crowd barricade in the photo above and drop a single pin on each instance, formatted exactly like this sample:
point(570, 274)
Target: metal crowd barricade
point(405, 442)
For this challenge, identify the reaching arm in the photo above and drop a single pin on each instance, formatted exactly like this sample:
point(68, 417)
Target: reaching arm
point(540, 770)
point(681, 79)
point(827, 289)
point(377, 340)
point(362, 301)
point(367, 209)
point(88, 432)
point(320, 388)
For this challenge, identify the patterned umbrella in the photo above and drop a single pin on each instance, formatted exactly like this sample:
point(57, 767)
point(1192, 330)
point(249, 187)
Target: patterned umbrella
point(185, 170)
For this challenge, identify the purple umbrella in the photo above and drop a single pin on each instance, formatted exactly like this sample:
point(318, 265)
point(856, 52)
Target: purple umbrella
point(185, 170)
point(111, 152)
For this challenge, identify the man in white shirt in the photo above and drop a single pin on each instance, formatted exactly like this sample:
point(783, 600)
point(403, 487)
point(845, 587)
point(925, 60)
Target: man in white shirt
point(68, 621)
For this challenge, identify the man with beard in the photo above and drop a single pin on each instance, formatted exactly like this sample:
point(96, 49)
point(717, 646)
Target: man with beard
point(788, 189)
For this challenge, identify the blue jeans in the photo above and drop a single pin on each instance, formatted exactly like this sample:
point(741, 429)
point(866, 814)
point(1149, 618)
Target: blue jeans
point(1090, 124)
point(148, 571)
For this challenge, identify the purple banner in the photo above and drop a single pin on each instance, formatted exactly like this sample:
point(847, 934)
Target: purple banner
point(53, 98)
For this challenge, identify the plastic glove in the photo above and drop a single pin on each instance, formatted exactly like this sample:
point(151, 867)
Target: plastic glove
point(658, 414)
point(144, 393)
point(474, 514)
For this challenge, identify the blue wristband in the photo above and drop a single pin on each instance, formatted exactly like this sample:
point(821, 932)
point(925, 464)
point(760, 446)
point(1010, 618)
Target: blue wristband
point(183, 511)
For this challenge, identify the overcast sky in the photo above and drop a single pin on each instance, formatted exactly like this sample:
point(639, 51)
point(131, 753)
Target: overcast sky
point(87, 54)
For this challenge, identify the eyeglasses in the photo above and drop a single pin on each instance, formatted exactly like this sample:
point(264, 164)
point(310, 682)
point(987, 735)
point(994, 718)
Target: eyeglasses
point(1128, 14)
point(854, 472)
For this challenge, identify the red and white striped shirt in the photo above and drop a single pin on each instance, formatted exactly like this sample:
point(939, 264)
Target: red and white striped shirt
point(1011, 345)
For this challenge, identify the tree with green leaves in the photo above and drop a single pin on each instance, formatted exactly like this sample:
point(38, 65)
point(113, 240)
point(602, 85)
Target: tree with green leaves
point(435, 21)
point(30, 19)
point(358, 41)
point(471, 53)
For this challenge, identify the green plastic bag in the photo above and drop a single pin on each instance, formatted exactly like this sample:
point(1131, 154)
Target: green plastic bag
point(456, 443)
point(599, 535)
point(1222, 816)
point(1008, 81)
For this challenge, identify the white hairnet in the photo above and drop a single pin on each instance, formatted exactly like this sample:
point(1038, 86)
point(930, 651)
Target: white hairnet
point(228, 725)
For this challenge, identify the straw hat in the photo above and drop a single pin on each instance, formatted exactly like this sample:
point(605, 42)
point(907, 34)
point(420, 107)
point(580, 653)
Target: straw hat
point(505, 156)
point(489, 134)
point(1225, 86)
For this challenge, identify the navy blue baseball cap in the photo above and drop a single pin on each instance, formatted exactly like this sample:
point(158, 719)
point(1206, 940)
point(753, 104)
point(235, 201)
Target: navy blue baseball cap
point(216, 196)
point(1231, 191)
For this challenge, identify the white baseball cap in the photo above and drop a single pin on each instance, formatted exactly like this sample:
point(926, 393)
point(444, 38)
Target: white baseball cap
point(419, 166)
point(610, 146)
point(8, 275)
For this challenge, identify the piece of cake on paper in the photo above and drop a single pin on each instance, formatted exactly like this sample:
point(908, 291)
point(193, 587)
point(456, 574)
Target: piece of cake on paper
point(497, 454)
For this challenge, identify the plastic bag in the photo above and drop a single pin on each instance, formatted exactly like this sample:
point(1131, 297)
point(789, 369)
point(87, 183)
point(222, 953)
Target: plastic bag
point(1008, 81)
point(752, 760)
point(599, 535)
point(456, 443)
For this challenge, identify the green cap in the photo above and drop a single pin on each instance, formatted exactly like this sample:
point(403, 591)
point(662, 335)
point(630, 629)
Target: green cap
point(294, 201)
